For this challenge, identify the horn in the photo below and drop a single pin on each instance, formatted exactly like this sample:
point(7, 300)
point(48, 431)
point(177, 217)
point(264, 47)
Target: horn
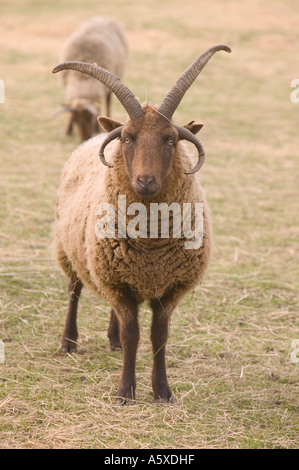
point(63, 109)
point(111, 81)
point(175, 95)
point(111, 136)
point(91, 109)
point(185, 134)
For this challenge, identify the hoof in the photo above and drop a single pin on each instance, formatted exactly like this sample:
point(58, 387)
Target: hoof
point(68, 346)
point(163, 401)
point(121, 401)
point(115, 348)
point(68, 350)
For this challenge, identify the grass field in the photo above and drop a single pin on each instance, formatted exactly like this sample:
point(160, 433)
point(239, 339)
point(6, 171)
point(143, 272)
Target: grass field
point(229, 351)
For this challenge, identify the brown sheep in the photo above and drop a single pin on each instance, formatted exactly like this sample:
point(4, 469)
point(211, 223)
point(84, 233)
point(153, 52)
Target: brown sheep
point(103, 41)
point(150, 166)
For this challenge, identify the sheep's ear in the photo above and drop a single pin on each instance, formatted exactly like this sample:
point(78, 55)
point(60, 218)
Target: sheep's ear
point(193, 127)
point(108, 124)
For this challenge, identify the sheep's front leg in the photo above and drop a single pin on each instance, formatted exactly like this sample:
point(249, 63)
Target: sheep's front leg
point(159, 335)
point(129, 337)
point(70, 334)
point(162, 310)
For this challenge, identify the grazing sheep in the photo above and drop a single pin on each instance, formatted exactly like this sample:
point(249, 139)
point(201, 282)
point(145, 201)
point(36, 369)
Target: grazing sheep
point(150, 165)
point(98, 40)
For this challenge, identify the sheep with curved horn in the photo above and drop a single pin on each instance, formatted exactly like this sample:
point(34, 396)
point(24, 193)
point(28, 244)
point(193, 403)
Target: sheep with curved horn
point(158, 255)
point(97, 40)
point(169, 104)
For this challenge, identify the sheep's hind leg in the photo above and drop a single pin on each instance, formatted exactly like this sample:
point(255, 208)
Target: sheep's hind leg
point(113, 332)
point(70, 334)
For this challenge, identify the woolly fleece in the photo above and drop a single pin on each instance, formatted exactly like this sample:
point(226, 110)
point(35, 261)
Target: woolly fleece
point(98, 40)
point(149, 268)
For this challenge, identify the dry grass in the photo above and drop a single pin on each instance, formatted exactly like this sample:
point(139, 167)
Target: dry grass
point(229, 350)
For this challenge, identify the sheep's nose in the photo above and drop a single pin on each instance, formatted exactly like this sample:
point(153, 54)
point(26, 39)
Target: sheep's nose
point(145, 182)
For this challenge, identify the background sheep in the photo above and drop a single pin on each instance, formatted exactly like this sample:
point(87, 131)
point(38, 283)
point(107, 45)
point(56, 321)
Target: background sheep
point(150, 165)
point(98, 40)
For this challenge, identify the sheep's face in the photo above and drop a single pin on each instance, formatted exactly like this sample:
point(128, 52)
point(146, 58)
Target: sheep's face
point(86, 122)
point(84, 115)
point(148, 147)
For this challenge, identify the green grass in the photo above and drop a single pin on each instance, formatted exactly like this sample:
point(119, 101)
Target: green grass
point(229, 351)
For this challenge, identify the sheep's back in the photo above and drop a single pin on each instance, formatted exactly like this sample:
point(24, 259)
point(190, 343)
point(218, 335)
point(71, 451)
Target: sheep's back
point(98, 40)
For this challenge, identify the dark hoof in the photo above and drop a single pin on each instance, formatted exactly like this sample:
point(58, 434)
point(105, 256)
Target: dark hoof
point(115, 348)
point(68, 350)
point(68, 346)
point(115, 344)
point(120, 401)
point(170, 400)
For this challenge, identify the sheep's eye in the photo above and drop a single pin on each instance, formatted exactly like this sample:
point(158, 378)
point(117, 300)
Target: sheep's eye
point(127, 140)
point(171, 142)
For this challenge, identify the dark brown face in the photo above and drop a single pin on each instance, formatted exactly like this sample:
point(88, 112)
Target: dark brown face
point(148, 147)
point(86, 122)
